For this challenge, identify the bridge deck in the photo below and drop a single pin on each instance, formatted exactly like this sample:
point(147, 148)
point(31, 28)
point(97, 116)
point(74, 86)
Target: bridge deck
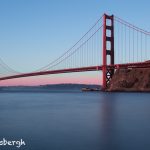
point(82, 69)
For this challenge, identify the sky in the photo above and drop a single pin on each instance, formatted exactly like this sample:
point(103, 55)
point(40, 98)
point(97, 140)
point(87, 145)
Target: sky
point(35, 32)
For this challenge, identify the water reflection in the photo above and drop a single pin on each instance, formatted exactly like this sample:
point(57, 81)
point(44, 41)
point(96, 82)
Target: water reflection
point(108, 118)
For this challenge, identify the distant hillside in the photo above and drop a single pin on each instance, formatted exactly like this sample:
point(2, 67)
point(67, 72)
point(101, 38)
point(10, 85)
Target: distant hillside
point(69, 86)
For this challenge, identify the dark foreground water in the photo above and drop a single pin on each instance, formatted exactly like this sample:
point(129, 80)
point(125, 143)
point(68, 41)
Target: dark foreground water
point(76, 120)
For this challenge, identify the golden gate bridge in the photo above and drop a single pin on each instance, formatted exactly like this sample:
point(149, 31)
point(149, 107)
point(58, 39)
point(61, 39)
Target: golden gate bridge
point(111, 43)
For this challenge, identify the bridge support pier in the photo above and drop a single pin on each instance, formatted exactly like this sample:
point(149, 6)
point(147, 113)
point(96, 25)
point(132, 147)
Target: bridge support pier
point(108, 49)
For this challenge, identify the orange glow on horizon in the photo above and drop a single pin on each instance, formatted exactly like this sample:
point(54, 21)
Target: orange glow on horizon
point(35, 81)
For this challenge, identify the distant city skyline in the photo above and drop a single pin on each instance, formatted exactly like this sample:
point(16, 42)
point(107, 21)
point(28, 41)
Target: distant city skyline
point(35, 32)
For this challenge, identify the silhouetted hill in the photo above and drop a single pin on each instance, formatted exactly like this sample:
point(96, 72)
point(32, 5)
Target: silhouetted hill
point(69, 86)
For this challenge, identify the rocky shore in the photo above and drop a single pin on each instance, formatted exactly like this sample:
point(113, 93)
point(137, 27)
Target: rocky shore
point(131, 80)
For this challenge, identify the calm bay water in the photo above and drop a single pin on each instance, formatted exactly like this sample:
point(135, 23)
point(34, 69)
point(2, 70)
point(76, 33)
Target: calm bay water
point(76, 120)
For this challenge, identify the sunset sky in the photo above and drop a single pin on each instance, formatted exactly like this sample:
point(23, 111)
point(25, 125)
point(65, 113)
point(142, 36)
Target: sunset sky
point(35, 32)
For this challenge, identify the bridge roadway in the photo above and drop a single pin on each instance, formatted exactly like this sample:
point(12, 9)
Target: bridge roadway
point(82, 69)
